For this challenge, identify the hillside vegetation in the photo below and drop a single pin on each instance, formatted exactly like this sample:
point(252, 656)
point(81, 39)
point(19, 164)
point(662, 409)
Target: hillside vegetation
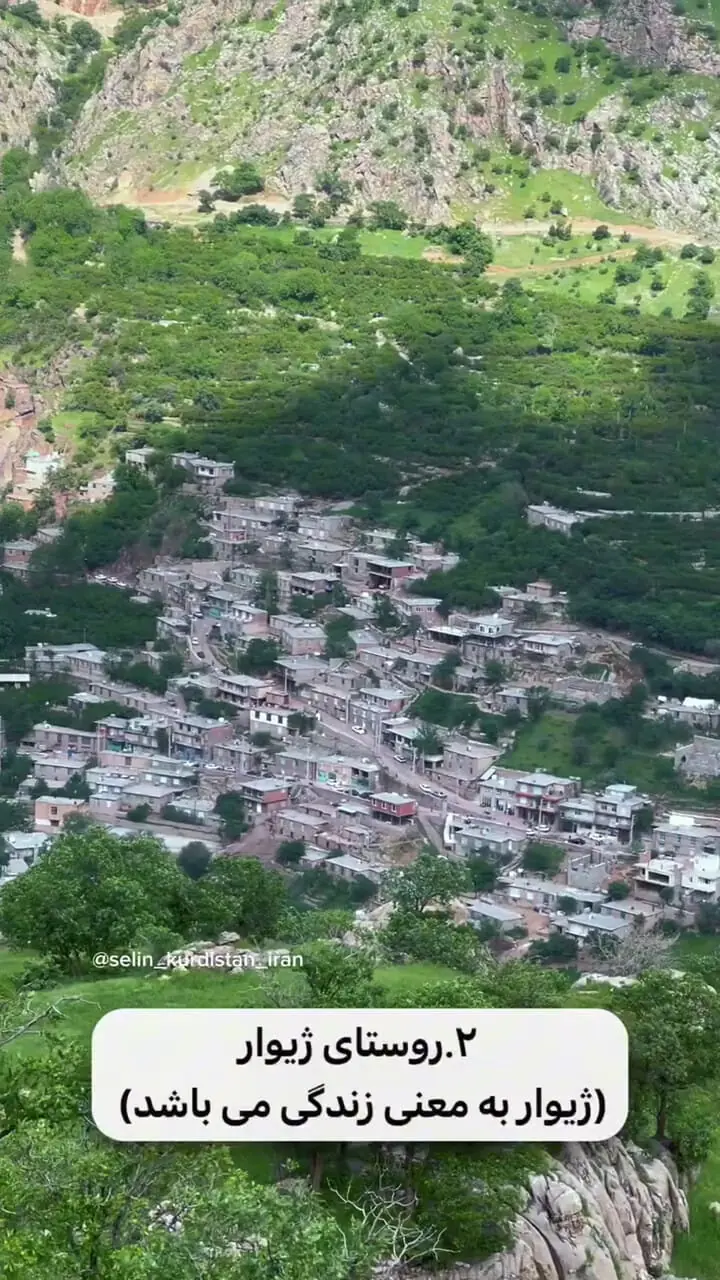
point(446, 106)
point(92, 889)
point(346, 375)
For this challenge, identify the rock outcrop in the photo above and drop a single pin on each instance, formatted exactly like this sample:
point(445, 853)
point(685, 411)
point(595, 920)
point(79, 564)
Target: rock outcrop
point(305, 88)
point(605, 1212)
point(648, 33)
point(29, 66)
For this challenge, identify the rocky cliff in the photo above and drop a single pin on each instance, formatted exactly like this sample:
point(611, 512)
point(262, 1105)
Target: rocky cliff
point(29, 64)
point(606, 1212)
point(441, 109)
point(648, 32)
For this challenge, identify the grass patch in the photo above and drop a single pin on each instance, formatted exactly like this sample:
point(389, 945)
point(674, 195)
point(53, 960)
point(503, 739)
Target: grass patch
point(697, 1254)
point(575, 193)
point(549, 744)
point(392, 244)
point(587, 283)
point(88, 1000)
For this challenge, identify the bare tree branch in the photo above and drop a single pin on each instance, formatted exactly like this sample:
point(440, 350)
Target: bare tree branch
point(51, 1012)
point(386, 1217)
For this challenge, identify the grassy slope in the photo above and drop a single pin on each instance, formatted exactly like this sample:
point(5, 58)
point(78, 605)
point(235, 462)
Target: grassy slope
point(85, 1002)
point(698, 1253)
point(547, 744)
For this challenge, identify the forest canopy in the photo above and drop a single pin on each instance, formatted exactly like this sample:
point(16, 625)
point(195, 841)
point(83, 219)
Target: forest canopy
point(310, 364)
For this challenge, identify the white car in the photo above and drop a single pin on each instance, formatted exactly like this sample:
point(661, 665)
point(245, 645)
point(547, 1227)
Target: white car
point(426, 790)
point(356, 729)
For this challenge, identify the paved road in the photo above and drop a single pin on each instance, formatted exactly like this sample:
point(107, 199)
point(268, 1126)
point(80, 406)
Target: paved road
point(401, 773)
point(433, 808)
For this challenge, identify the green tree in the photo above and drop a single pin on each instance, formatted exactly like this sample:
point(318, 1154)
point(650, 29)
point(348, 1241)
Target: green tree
point(545, 859)
point(385, 615)
point(139, 813)
point(558, 949)
point(428, 742)
point(337, 977)
point(430, 880)
point(195, 859)
point(95, 892)
point(387, 215)
point(259, 658)
point(243, 895)
point(432, 939)
point(290, 852)
point(495, 673)
point(242, 180)
point(266, 595)
point(483, 872)
point(230, 808)
point(444, 673)
point(76, 1205)
point(674, 1029)
point(618, 890)
point(299, 722)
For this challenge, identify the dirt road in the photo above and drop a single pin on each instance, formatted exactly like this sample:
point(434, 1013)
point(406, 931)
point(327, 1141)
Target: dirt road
point(555, 264)
point(180, 204)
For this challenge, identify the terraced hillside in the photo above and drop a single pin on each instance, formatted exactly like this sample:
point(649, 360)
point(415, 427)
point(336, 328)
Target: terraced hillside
point(448, 107)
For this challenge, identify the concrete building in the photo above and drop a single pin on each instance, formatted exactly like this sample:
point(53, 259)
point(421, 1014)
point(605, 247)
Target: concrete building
point(296, 824)
point(699, 713)
point(17, 556)
point(688, 880)
point(207, 473)
point(349, 867)
point(488, 634)
point(483, 911)
point(52, 812)
point(377, 572)
point(532, 797)
point(57, 659)
point(554, 518)
point(613, 811)
point(76, 743)
point(193, 737)
point(684, 834)
point(553, 649)
point(584, 928)
point(14, 680)
point(244, 692)
point(389, 806)
point(264, 796)
point(544, 895)
point(495, 839)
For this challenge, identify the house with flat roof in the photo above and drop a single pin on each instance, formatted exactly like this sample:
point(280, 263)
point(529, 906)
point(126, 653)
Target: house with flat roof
point(484, 911)
point(389, 806)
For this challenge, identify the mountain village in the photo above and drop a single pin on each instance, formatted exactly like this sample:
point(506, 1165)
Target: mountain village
point(326, 744)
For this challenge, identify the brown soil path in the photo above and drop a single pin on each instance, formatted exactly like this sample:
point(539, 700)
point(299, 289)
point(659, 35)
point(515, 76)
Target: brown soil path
point(179, 204)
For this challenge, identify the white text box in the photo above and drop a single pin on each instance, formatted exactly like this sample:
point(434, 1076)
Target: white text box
point(349, 1075)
